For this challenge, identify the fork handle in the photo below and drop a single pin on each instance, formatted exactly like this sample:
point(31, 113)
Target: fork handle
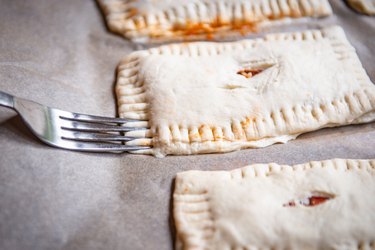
point(6, 100)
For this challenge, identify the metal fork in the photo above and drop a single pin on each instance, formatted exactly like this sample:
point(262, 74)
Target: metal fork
point(72, 130)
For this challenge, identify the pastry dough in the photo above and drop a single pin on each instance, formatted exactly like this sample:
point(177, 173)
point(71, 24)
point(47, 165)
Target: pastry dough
point(220, 97)
point(271, 206)
point(363, 6)
point(201, 19)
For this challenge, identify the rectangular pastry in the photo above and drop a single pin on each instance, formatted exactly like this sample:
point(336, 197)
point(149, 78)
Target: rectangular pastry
point(145, 20)
point(218, 97)
point(318, 205)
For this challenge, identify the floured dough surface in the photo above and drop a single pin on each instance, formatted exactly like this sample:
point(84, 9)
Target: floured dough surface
point(220, 97)
point(363, 6)
point(147, 20)
point(317, 205)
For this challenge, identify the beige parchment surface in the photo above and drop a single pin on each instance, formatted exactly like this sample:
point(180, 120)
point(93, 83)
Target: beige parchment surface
point(60, 53)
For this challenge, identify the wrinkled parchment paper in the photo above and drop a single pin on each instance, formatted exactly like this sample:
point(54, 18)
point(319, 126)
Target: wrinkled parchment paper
point(60, 53)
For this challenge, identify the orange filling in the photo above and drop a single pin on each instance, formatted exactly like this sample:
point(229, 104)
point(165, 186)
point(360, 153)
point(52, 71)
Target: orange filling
point(205, 28)
point(249, 72)
point(316, 200)
point(209, 28)
point(311, 201)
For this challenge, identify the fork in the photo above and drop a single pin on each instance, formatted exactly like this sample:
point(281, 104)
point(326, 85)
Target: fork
point(72, 130)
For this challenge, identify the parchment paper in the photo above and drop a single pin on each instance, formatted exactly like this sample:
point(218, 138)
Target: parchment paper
point(60, 53)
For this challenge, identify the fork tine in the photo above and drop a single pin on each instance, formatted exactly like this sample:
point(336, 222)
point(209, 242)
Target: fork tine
point(95, 137)
point(94, 118)
point(96, 127)
point(101, 147)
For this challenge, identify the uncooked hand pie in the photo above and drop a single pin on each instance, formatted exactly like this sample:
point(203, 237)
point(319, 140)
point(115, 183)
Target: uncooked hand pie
point(363, 6)
point(317, 205)
point(219, 97)
point(146, 20)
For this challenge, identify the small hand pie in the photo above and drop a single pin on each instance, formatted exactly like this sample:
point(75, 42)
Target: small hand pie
point(317, 205)
point(147, 20)
point(220, 97)
point(363, 6)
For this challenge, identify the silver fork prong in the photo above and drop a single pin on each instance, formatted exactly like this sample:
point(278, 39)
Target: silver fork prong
point(94, 137)
point(96, 127)
point(94, 118)
point(100, 147)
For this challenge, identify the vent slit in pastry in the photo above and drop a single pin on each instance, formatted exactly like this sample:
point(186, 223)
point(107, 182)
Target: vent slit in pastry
point(248, 73)
point(313, 199)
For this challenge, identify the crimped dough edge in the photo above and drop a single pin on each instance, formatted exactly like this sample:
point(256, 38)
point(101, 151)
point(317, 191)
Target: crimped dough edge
point(354, 108)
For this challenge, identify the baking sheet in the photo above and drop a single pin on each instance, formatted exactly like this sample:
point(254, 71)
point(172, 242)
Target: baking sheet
point(60, 53)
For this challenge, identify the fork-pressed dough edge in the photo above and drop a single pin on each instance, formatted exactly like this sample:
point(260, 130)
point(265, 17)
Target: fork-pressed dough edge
point(132, 101)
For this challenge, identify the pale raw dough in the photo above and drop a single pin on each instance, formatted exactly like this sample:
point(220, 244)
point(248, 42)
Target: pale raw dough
point(363, 6)
point(162, 20)
point(194, 100)
point(246, 208)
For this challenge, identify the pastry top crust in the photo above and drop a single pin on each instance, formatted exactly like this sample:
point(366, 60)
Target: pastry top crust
point(196, 19)
point(198, 92)
point(263, 206)
point(363, 6)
